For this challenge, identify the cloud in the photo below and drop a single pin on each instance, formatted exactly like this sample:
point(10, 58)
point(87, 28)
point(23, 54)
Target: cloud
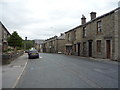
point(42, 19)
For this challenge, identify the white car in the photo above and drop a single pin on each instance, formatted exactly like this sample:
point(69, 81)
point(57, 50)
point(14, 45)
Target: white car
point(59, 52)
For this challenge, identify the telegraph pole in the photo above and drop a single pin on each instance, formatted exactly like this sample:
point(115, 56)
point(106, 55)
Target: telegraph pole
point(25, 43)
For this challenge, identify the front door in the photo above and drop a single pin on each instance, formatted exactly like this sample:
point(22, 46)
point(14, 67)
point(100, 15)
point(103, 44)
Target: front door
point(108, 49)
point(90, 49)
point(68, 50)
point(78, 49)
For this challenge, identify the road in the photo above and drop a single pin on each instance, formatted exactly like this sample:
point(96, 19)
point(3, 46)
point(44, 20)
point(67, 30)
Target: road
point(61, 71)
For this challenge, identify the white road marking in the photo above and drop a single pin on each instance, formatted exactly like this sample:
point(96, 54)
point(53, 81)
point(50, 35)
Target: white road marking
point(41, 57)
point(17, 66)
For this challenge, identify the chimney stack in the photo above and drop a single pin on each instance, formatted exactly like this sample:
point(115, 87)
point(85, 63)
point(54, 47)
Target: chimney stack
point(83, 19)
point(93, 15)
point(61, 34)
point(26, 38)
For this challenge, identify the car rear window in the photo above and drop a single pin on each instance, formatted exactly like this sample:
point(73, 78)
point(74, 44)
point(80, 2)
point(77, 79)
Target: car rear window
point(33, 51)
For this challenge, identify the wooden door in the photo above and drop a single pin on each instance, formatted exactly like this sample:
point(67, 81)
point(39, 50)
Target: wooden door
point(108, 49)
point(90, 49)
point(78, 49)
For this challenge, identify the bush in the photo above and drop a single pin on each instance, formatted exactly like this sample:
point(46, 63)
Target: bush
point(4, 51)
point(9, 49)
point(18, 48)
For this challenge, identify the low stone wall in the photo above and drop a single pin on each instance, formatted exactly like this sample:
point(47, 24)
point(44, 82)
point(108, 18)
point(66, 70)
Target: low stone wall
point(7, 58)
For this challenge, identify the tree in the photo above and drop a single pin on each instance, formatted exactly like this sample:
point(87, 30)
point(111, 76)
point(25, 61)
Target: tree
point(15, 40)
point(27, 44)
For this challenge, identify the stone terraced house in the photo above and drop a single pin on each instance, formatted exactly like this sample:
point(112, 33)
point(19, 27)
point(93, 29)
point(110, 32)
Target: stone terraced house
point(38, 44)
point(54, 45)
point(97, 38)
point(4, 35)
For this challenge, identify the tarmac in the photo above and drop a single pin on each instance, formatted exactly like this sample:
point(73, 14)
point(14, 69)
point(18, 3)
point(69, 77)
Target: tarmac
point(12, 72)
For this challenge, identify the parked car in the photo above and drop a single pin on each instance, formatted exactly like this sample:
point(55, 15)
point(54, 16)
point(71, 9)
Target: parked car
point(33, 54)
point(26, 51)
point(59, 52)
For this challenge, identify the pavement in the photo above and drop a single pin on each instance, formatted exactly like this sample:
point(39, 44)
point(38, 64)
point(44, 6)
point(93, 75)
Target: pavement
point(11, 73)
point(0, 77)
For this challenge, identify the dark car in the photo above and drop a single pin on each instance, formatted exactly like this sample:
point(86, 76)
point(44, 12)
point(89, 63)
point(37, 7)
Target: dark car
point(33, 54)
point(26, 51)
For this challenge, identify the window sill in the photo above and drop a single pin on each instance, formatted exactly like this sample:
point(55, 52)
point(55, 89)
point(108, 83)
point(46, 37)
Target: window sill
point(99, 53)
point(99, 34)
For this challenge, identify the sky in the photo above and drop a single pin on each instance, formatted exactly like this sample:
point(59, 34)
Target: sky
point(43, 19)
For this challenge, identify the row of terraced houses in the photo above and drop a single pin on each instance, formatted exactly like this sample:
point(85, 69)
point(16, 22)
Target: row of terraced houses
point(97, 38)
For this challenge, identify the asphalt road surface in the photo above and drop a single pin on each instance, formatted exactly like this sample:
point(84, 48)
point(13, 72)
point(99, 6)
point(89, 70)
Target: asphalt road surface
point(61, 71)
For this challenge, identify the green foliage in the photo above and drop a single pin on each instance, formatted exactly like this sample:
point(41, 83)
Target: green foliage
point(27, 44)
point(15, 40)
point(9, 49)
point(18, 48)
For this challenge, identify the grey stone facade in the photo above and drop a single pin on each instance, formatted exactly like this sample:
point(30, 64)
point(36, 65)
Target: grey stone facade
point(54, 45)
point(119, 33)
point(4, 34)
point(98, 38)
point(38, 44)
point(0, 37)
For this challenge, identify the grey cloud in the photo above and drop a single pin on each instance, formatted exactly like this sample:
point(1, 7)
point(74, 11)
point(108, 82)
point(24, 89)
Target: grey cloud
point(57, 16)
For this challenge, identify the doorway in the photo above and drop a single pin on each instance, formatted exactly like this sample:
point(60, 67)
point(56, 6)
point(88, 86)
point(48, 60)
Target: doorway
point(90, 48)
point(78, 49)
point(69, 50)
point(108, 49)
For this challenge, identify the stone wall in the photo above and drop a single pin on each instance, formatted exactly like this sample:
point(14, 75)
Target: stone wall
point(61, 45)
point(119, 34)
point(7, 58)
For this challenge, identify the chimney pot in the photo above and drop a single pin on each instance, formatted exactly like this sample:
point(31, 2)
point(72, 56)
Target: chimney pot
point(25, 38)
point(83, 19)
point(93, 15)
point(61, 34)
